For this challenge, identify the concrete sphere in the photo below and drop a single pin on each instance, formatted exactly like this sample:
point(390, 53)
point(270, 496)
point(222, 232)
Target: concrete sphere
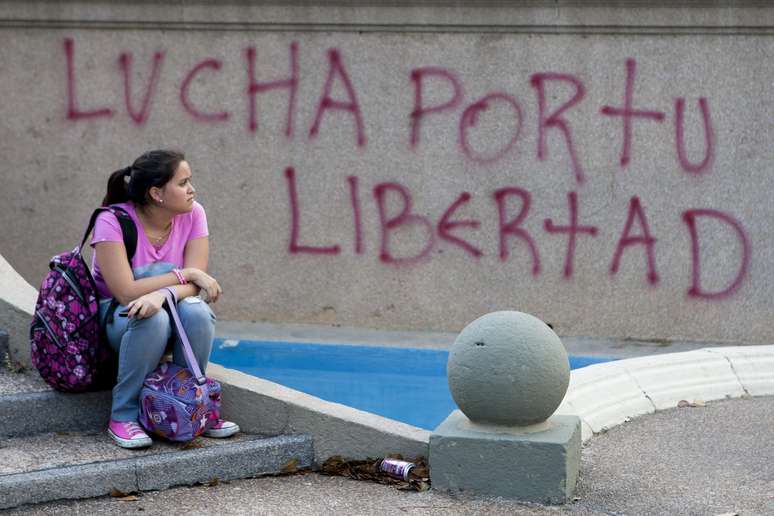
point(508, 368)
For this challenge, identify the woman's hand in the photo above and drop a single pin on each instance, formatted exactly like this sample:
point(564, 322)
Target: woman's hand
point(210, 290)
point(146, 306)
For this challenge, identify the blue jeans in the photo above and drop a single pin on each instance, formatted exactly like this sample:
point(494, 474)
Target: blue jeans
point(140, 344)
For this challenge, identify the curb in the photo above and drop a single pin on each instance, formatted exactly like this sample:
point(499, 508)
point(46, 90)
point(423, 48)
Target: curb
point(53, 411)
point(609, 394)
point(4, 337)
point(266, 408)
point(262, 456)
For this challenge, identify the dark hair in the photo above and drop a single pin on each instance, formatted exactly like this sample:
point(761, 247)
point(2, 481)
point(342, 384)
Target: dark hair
point(154, 168)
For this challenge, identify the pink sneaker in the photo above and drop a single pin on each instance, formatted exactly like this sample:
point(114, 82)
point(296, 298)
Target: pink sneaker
point(128, 434)
point(222, 429)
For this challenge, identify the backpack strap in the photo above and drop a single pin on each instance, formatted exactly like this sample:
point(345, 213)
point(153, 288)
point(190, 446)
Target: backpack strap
point(128, 228)
point(129, 234)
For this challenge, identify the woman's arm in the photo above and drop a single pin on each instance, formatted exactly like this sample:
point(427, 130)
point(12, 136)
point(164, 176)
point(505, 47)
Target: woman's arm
point(197, 253)
point(115, 268)
point(196, 259)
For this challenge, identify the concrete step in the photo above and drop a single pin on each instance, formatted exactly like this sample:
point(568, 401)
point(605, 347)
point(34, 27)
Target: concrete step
point(33, 407)
point(50, 411)
point(69, 465)
point(54, 446)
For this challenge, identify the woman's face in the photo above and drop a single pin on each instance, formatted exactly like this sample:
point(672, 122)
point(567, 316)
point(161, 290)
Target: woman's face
point(178, 194)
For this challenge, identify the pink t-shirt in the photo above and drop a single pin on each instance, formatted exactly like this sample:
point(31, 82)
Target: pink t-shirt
point(149, 260)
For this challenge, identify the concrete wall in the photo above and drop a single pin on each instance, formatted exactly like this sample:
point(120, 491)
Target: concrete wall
point(425, 164)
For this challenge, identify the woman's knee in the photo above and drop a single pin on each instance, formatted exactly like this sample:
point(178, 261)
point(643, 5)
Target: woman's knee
point(196, 317)
point(152, 330)
point(199, 324)
point(143, 344)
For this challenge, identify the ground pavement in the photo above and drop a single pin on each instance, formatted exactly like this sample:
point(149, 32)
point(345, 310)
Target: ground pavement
point(707, 460)
point(704, 460)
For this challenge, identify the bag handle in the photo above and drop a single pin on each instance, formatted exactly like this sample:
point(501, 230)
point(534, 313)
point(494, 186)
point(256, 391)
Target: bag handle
point(190, 359)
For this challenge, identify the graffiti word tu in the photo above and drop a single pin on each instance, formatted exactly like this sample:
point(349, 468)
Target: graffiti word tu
point(421, 80)
point(394, 204)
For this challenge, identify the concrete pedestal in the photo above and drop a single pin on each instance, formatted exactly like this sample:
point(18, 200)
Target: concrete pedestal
point(538, 463)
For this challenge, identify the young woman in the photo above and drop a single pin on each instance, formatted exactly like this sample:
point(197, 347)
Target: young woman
point(172, 250)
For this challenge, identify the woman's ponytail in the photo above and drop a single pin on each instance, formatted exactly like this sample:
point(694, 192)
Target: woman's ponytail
point(117, 187)
point(154, 168)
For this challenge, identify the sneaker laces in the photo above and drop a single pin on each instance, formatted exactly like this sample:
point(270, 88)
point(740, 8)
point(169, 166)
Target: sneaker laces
point(133, 429)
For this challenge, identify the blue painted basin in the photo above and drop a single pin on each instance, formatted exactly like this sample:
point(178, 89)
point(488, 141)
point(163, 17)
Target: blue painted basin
point(405, 384)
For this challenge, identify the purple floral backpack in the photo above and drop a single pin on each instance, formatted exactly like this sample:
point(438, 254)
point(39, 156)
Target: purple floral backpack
point(176, 403)
point(67, 344)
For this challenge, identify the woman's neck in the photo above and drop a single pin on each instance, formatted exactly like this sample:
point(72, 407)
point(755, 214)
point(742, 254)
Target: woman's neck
point(153, 217)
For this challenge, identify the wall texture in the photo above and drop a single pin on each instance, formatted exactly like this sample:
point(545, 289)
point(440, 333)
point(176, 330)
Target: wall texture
point(605, 167)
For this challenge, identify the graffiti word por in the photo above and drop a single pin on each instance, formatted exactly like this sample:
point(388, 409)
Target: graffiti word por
point(330, 110)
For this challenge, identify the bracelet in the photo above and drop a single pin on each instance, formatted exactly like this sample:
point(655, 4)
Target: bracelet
point(180, 276)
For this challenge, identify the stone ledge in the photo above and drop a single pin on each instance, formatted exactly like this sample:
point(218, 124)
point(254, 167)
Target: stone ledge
point(610, 16)
point(228, 461)
point(603, 397)
point(606, 395)
point(753, 366)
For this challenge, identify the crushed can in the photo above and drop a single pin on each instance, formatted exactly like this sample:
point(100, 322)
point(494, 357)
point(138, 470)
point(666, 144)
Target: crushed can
point(399, 469)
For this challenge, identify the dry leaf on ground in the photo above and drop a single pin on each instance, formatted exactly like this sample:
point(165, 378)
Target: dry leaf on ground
point(123, 497)
point(694, 403)
point(190, 445)
point(290, 467)
point(419, 478)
